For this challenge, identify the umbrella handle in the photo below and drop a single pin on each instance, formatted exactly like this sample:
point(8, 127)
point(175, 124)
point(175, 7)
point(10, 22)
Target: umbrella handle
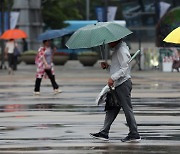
point(102, 47)
point(101, 53)
point(104, 50)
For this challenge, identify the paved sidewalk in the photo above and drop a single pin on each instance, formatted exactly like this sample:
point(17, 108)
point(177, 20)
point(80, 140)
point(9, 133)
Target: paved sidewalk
point(61, 123)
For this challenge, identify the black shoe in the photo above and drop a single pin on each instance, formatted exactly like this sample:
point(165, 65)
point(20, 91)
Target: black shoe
point(100, 136)
point(131, 139)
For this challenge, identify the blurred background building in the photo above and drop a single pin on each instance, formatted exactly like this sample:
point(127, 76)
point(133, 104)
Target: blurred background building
point(29, 20)
point(143, 17)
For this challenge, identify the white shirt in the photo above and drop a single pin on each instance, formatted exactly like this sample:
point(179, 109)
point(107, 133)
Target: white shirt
point(10, 45)
point(119, 69)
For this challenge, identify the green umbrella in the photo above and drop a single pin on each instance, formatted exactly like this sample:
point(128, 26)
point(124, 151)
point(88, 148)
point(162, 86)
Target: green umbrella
point(96, 35)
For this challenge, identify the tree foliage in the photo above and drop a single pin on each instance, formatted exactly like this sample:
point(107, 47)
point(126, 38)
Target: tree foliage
point(54, 12)
point(6, 4)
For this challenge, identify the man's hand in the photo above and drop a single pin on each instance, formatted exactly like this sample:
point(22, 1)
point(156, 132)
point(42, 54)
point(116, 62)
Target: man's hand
point(104, 65)
point(110, 82)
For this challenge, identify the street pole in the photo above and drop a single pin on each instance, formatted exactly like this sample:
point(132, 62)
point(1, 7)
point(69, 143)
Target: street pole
point(87, 9)
point(106, 53)
point(105, 10)
point(157, 10)
point(139, 55)
point(2, 30)
point(9, 15)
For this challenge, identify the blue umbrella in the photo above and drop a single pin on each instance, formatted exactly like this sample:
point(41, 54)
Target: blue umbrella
point(51, 34)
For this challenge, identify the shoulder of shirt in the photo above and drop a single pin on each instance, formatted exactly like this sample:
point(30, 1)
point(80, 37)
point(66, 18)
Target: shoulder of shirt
point(41, 48)
point(123, 44)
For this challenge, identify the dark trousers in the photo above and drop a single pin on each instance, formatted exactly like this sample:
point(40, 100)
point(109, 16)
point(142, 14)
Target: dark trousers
point(12, 61)
point(52, 79)
point(124, 95)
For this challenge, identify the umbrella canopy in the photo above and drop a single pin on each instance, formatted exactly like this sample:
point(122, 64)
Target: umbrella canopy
point(173, 37)
point(51, 34)
point(13, 34)
point(97, 34)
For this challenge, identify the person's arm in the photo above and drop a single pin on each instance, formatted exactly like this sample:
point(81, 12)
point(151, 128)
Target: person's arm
point(45, 62)
point(6, 52)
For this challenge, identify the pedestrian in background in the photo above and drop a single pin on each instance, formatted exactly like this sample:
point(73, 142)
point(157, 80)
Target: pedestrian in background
point(11, 56)
point(44, 62)
point(119, 78)
point(25, 45)
point(176, 59)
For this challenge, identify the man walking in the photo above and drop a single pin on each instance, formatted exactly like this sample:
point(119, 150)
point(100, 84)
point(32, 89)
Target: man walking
point(119, 78)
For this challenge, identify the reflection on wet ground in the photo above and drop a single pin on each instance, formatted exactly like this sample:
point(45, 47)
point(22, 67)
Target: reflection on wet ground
point(61, 123)
point(108, 149)
point(149, 106)
point(142, 106)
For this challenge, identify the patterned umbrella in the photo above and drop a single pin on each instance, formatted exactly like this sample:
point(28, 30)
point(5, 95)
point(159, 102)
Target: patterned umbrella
point(97, 34)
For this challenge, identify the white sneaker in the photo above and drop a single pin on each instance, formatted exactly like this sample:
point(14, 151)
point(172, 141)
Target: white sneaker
point(57, 91)
point(36, 93)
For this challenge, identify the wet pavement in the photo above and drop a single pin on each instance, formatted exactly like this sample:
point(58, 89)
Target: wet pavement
point(61, 123)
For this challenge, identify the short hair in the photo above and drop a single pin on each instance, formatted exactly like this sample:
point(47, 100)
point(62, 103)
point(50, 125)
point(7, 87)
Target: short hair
point(44, 41)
